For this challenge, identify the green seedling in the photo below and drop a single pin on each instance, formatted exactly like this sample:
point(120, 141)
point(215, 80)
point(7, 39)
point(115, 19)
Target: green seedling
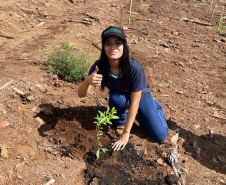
point(143, 8)
point(219, 28)
point(133, 20)
point(103, 119)
point(39, 20)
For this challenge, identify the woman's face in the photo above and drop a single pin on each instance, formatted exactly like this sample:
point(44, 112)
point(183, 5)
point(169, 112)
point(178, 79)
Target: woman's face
point(113, 48)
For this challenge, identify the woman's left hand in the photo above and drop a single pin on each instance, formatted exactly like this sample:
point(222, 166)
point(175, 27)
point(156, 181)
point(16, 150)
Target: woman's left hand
point(121, 143)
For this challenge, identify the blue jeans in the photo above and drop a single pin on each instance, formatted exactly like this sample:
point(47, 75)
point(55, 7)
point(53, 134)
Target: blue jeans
point(150, 112)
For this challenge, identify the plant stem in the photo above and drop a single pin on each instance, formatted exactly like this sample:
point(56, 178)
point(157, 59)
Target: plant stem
point(219, 25)
point(130, 9)
point(121, 18)
point(214, 10)
point(211, 4)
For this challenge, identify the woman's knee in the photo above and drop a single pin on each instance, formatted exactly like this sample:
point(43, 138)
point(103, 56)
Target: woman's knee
point(161, 136)
point(117, 100)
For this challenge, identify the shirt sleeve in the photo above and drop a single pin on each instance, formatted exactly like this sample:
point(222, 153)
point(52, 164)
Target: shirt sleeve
point(137, 80)
point(93, 67)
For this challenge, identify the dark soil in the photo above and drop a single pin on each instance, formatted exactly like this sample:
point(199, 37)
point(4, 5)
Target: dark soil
point(122, 167)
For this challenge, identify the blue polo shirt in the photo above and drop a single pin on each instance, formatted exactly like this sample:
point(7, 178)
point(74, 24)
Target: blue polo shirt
point(137, 79)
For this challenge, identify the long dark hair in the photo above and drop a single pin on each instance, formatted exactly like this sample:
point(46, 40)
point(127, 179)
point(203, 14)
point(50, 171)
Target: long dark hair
point(124, 67)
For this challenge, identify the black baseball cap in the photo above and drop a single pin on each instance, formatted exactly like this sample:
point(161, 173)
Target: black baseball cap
point(113, 31)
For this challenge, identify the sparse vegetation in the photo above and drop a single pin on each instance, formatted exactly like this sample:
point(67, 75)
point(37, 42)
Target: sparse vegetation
point(143, 8)
point(39, 20)
point(68, 64)
point(219, 28)
point(133, 20)
point(200, 1)
point(103, 119)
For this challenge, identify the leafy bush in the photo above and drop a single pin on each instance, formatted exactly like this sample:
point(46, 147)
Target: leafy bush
point(68, 64)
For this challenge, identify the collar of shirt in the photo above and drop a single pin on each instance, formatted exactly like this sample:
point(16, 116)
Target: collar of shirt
point(110, 74)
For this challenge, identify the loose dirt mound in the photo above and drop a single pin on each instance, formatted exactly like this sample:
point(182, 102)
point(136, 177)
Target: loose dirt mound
point(47, 132)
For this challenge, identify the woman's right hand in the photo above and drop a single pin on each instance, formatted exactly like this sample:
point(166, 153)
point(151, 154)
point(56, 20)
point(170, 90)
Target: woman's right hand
point(94, 79)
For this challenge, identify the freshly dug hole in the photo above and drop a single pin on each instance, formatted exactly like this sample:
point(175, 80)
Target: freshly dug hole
point(122, 167)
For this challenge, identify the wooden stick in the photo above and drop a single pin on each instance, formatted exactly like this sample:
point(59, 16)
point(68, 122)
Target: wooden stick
point(219, 25)
point(197, 22)
point(217, 117)
point(6, 84)
point(130, 9)
point(211, 4)
point(121, 18)
point(96, 46)
point(78, 21)
point(8, 37)
point(214, 10)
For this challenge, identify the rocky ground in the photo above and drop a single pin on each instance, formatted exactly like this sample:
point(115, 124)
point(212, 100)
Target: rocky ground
point(47, 131)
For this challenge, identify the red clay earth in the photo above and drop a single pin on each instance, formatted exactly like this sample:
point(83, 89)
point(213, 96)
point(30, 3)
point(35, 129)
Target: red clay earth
point(50, 132)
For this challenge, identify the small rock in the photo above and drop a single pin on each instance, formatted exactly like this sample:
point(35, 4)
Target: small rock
point(184, 111)
point(171, 179)
point(160, 161)
point(2, 109)
point(62, 140)
point(19, 92)
point(46, 111)
point(161, 91)
point(30, 98)
point(164, 154)
point(58, 84)
point(166, 50)
point(40, 87)
point(4, 124)
point(174, 139)
point(39, 120)
point(175, 33)
point(223, 40)
point(125, 28)
point(4, 152)
point(95, 181)
point(18, 157)
point(50, 182)
point(20, 177)
point(216, 114)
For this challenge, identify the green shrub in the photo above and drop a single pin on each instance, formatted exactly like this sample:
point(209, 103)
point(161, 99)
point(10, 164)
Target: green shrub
point(200, 1)
point(68, 64)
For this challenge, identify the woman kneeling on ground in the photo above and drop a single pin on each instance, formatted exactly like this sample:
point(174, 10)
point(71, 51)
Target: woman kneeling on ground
point(125, 79)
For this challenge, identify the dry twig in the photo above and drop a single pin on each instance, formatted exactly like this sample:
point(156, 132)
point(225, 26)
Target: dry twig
point(217, 117)
point(130, 9)
point(78, 21)
point(91, 17)
point(197, 22)
point(6, 84)
point(8, 37)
